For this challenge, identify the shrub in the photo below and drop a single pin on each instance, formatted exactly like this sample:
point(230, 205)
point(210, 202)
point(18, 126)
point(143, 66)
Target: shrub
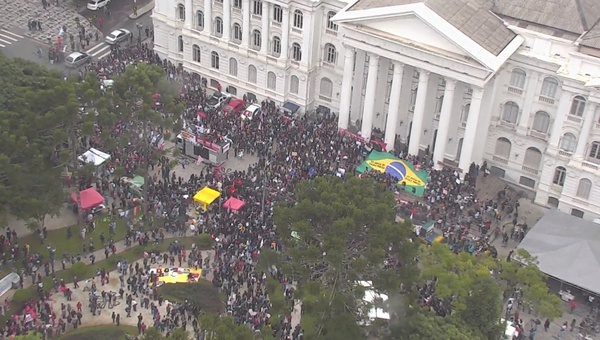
point(22, 296)
point(203, 293)
point(205, 241)
point(78, 269)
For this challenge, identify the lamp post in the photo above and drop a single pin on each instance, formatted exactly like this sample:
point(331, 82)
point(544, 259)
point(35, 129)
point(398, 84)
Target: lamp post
point(139, 27)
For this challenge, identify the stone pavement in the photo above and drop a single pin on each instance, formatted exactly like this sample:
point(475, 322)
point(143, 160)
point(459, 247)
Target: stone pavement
point(17, 13)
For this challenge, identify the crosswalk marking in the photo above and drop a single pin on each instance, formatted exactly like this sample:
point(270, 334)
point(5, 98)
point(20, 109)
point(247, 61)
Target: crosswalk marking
point(8, 37)
point(11, 33)
point(99, 50)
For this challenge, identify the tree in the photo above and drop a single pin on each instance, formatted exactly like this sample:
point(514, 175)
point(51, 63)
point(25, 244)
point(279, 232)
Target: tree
point(225, 327)
point(36, 106)
point(483, 308)
point(421, 324)
point(179, 334)
point(342, 231)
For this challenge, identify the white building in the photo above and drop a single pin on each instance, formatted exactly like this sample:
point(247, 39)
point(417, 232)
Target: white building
point(513, 83)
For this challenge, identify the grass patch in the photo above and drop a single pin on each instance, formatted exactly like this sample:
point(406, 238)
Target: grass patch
point(203, 294)
point(100, 333)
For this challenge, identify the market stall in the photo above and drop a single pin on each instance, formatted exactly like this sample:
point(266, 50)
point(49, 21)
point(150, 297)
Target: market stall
point(206, 196)
point(95, 157)
point(88, 199)
point(234, 204)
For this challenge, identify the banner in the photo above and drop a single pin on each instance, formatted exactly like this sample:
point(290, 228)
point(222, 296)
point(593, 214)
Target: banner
point(412, 180)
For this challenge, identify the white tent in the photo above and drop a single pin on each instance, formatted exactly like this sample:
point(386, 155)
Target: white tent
point(375, 312)
point(94, 156)
point(567, 248)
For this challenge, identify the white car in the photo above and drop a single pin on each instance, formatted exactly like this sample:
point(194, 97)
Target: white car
point(94, 5)
point(117, 36)
point(77, 59)
point(218, 99)
point(251, 111)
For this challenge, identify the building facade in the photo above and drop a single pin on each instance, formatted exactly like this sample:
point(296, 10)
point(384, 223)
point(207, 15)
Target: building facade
point(464, 81)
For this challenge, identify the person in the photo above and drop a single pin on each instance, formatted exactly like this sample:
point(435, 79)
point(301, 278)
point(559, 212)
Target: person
point(546, 325)
point(563, 330)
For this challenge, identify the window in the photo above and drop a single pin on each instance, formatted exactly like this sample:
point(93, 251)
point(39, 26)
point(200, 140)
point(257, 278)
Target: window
point(568, 142)
point(577, 213)
point(296, 52)
point(272, 81)
point(584, 188)
point(181, 12)
point(549, 87)
point(257, 7)
point(330, 24)
point(541, 122)
point(252, 74)
point(200, 20)
point(294, 85)
point(196, 53)
point(510, 113)
point(517, 78)
point(326, 88)
point(277, 13)
point(276, 46)
point(218, 26)
point(232, 67)
point(298, 19)
point(503, 147)
point(526, 181)
point(237, 4)
point(533, 158)
point(560, 174)
point(180, 43)
point(214, 60)
point(256, 39)
point(330, 54)
point(465, 113)
point(237, 32)
point(552, 202)
point(595, 151)
point(577, 106)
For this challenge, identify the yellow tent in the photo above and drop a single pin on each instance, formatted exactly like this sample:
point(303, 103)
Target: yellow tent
point(206, 196)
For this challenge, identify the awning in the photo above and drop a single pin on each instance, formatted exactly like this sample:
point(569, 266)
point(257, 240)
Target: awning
point(234, 204)
point(89, 198)
point(290, 107)
point(206, 196)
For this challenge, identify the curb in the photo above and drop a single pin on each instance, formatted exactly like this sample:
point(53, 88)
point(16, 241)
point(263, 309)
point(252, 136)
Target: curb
point(142, 10)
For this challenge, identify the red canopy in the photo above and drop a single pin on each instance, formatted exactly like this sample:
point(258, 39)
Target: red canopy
point(234, 204)
point(89, 198)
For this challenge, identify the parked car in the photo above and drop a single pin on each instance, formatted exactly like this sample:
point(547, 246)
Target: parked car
point(251, 111)
point(217, 99)
point(117, 36)
point(94, 5)
point(77, 59)
point(235, 106)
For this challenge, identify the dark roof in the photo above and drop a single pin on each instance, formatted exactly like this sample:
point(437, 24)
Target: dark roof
point(592, 37)
point(471, 17)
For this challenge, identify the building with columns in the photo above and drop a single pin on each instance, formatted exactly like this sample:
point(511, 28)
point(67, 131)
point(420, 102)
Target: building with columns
point(516, 85)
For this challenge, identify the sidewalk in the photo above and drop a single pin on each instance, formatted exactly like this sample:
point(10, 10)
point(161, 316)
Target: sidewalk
point(142, 10)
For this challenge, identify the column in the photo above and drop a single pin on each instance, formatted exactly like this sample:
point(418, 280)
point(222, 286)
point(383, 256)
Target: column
point(264, 43)
point(346, 94)
point(417, 124)
point(208, 22)
point(285, 33)
point(470, 138)
point(227, 20)
point(588, 121)
point(307, 39)
point(246, 23)
point(189, 13)
point(530, 94)
point(370, 94)
point(444, 126)
point(564, 106)
point(394, 106)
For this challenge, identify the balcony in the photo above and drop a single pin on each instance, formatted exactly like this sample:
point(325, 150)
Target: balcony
point(236, 10)
point(297, 30)
point(574, 119)
point(295, 63)
point(214, 38)
point(508, 125)
point(463, 124)
point(580, 201)
point(546, 100)
point(556, 188)
point(234, 45)
point(499, 160)
point(326, 99)
point(530, 170)
point(331, 32)
point(275, 23)
point(586, 164)
point(256, 17)
point(515, 90)
point(271, 60)
point(537, 134)
point(564, 153)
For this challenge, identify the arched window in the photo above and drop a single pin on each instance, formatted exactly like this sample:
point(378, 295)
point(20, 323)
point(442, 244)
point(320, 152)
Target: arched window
point(553, 202)
point(298, 19)
point(330, 24)
point(256, 39)
point(560, 174)
point(326, 87)
point(256, 7)
point(503, 147)
point(568, 142)
point(252, 74)
point(577, 106)
point(517, 78)
point(533, 158)
point(272, 81)
point(465, 113)
point(330, 54)
point(237, 4)
point(277, 13)
point(181, 12)
point(200, 20)
point(218, 27)
point(296, 52)
point(595, 151)
point(541, 122)
point(180, 43)
point(549, 87)
point(294, 85)
point(510, 113)
point(197, 55)
point(584, 188)
point(233, 67)
point(237, 33)
point(214, 60)
point(276, 46)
